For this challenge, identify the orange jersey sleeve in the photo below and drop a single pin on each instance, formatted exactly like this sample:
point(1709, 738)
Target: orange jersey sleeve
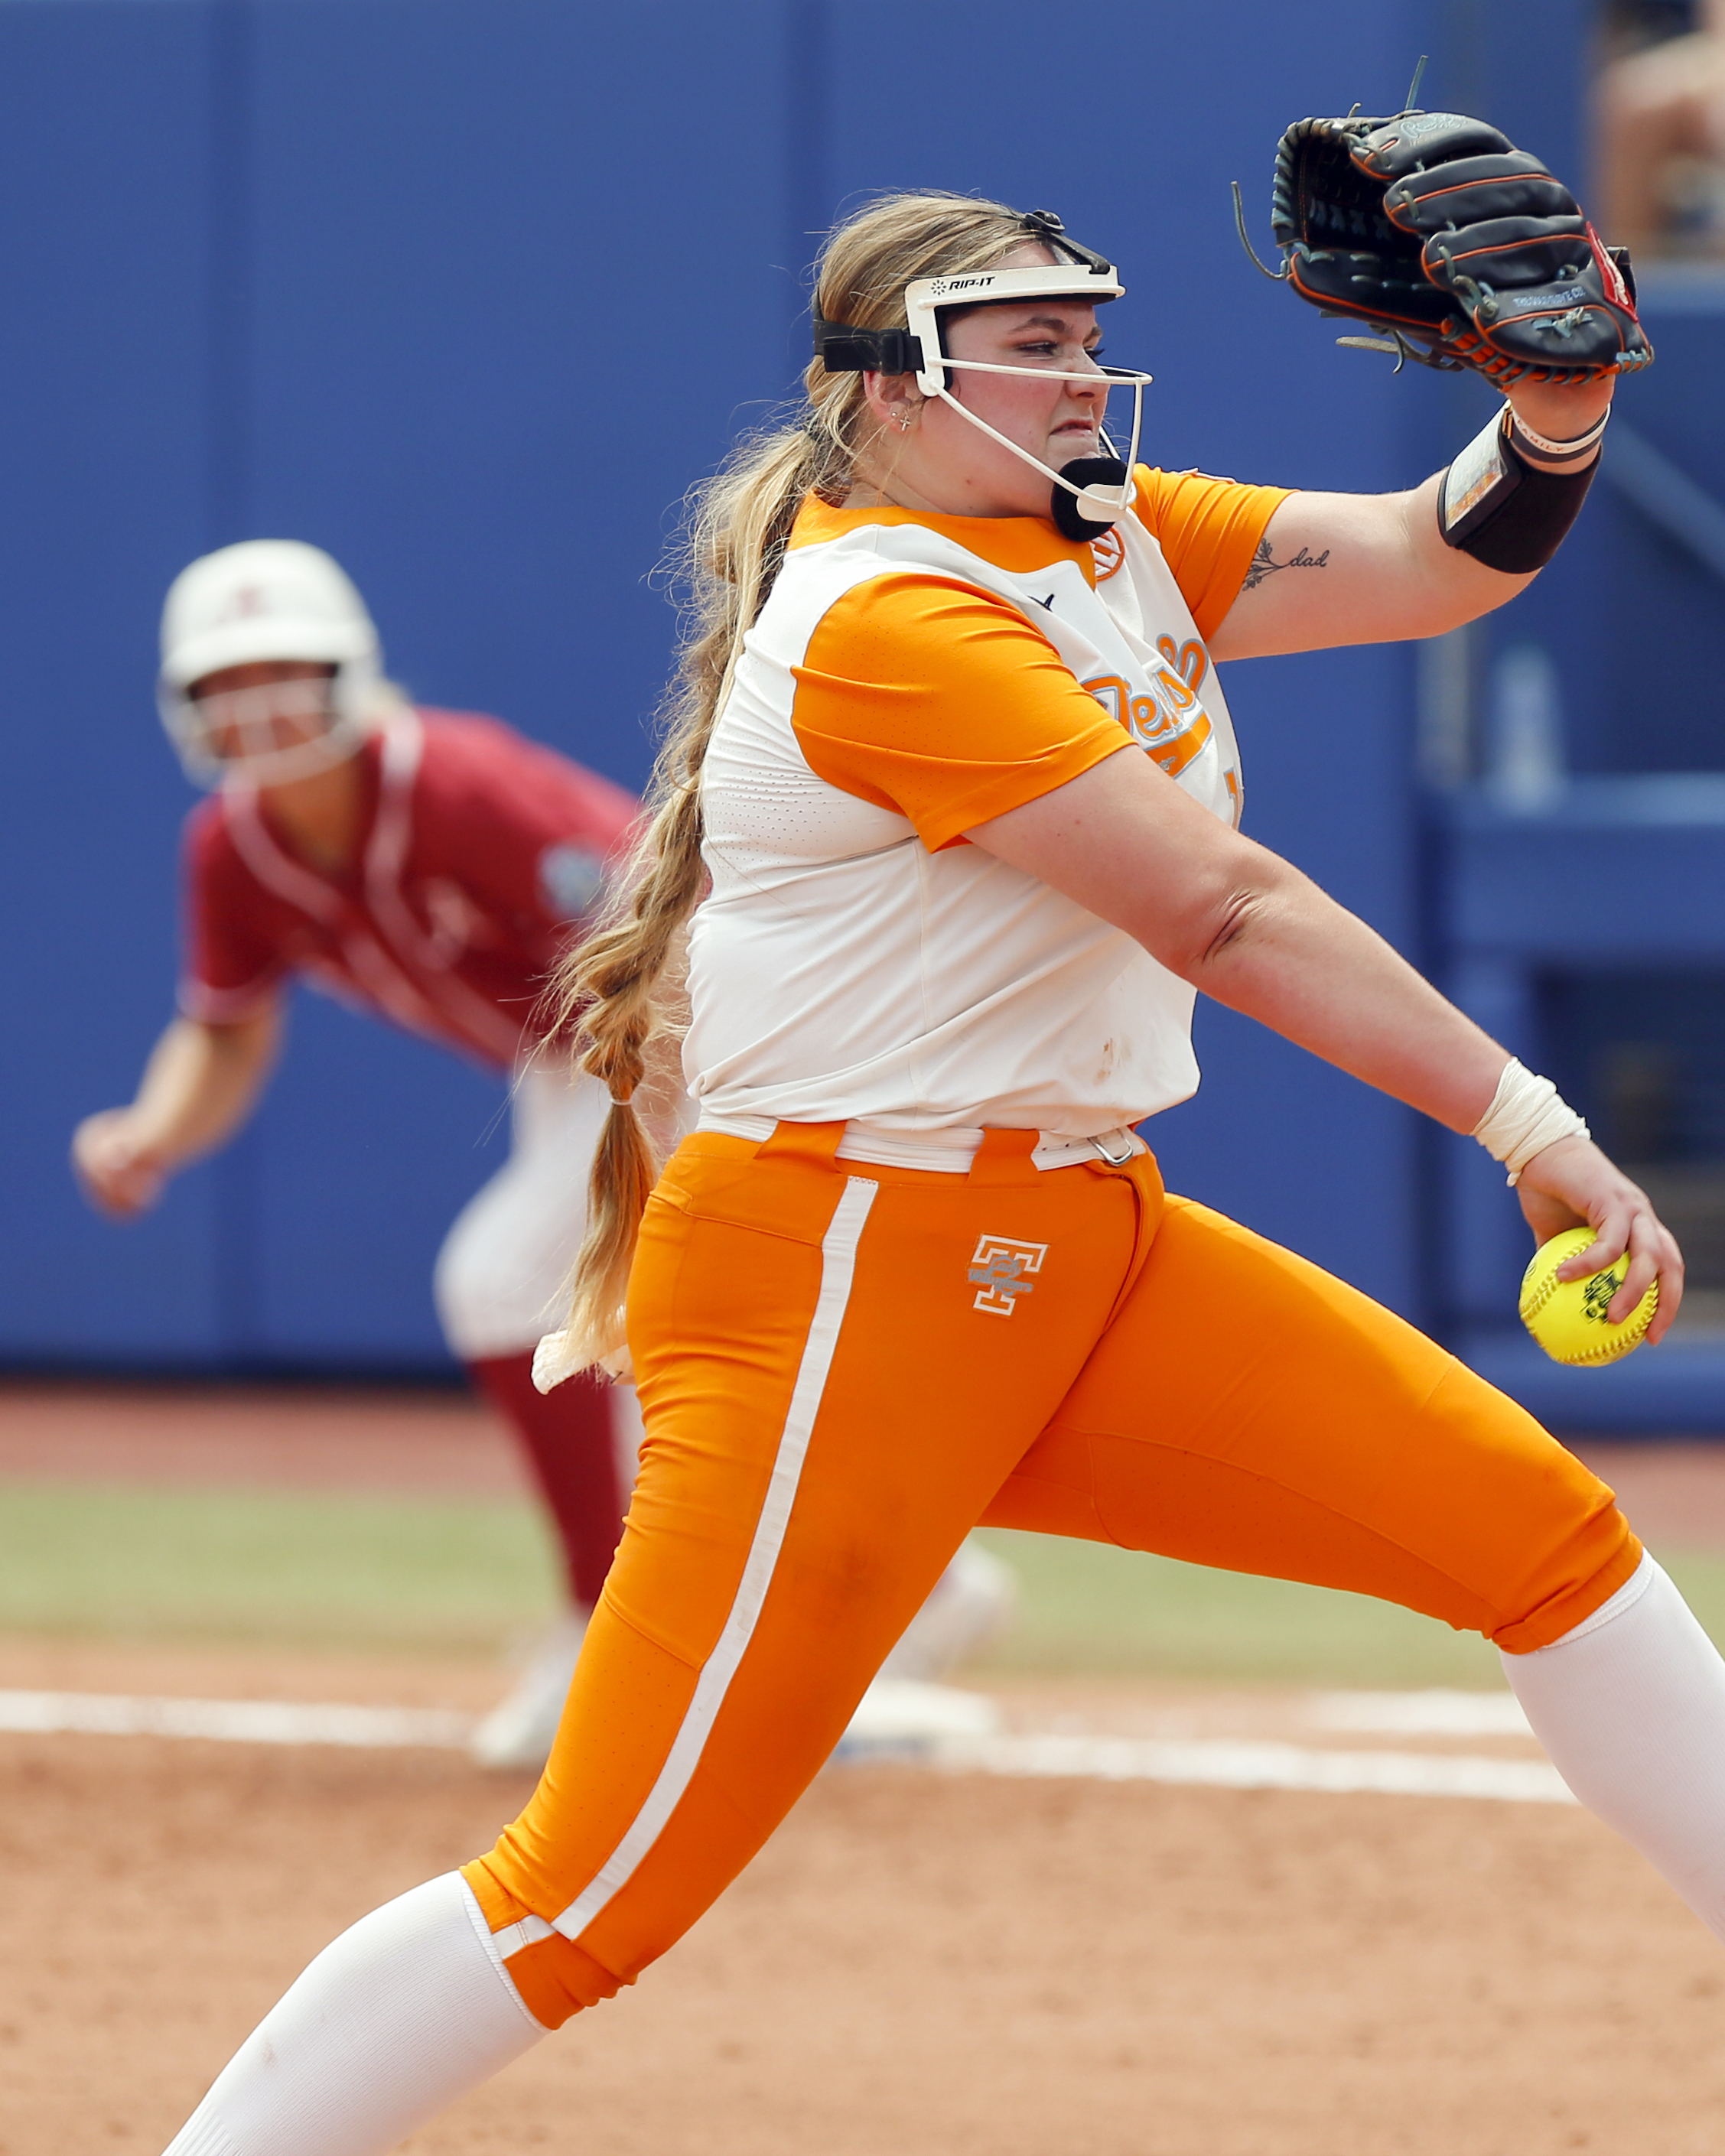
point(943, 702)
point(1209, 530)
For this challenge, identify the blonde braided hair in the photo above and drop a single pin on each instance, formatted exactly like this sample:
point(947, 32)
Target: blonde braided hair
point(617, 987)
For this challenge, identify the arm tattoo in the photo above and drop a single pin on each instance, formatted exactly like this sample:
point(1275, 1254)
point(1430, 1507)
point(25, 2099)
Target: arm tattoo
point(1265, 563)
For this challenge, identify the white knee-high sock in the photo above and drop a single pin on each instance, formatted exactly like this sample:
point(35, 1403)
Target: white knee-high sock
point(404, 2012)
point(1630, 1706)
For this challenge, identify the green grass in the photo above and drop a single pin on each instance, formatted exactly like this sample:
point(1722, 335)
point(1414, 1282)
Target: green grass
point(1087, 1608)
point(470, 1575)
point(1701, 1575)
point(281, 1566)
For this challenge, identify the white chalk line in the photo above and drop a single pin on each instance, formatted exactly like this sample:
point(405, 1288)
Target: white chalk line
point(1236, 1764)
point(1431, 1713)
point(1232, 1763)
point(229, 1721)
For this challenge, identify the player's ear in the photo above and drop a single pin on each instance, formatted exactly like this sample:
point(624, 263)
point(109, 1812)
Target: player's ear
point(893, 400)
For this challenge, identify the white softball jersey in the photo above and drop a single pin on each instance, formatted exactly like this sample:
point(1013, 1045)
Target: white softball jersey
point(910, 677)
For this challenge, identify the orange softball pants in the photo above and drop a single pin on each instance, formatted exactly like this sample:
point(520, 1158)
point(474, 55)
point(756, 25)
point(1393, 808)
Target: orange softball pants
point(843, 1369)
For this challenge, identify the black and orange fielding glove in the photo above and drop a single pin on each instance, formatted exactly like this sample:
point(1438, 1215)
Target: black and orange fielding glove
point(1454, 247)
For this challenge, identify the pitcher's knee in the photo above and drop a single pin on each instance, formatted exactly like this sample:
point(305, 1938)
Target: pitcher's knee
point(554, 1978)
point(1579, 1571)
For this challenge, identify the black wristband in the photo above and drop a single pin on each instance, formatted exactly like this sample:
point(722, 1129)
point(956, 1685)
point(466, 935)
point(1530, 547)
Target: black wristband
point(1505, 512)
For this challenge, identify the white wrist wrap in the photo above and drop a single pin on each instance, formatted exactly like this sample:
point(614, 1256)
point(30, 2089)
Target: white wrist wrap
point(1526, 1115)
point(1567, 452)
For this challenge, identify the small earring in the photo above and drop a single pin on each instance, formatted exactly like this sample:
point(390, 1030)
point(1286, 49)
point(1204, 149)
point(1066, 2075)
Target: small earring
point(902, 421)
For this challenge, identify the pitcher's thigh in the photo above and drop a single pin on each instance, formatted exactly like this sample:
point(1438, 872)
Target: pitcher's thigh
point(797, 1501)
point(706, 1695)
point(1247, 1410)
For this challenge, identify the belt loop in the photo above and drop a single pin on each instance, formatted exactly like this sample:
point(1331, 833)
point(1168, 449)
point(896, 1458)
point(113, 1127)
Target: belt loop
point(1142, 1174)
point(816, 1143)
point(1004, 1156)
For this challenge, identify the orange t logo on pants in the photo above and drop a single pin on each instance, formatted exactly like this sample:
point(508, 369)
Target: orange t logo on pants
point(1000, 1268)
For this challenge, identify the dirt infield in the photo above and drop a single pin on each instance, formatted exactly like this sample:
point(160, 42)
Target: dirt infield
point(918, 1966)
point(325, 1437)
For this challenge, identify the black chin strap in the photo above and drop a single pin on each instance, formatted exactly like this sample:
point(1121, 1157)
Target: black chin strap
point(1068, 514)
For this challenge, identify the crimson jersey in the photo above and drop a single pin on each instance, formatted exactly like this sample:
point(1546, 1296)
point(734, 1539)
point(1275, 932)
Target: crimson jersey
point(477, 849)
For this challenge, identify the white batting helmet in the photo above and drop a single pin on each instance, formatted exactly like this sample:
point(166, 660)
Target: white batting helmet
point(265, 599)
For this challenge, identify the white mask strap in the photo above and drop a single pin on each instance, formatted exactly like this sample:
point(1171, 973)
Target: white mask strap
point(1098, 503)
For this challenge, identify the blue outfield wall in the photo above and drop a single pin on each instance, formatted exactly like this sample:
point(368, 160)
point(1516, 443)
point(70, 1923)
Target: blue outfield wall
point(467, 291)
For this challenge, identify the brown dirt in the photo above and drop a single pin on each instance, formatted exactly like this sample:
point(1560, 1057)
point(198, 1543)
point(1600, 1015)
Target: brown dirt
point(326, 1438)
point(917, 1966)
point(1673, 1491)
point(32, 1661)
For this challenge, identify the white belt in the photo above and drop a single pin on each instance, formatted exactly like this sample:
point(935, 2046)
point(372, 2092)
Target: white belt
point(950, 1151)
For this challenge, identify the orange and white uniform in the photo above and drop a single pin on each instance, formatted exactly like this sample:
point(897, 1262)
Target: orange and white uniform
point(911, 676)
point(913, 1272)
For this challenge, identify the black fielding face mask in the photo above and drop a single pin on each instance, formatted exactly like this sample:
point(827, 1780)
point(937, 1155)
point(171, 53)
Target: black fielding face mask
point(1084, 471)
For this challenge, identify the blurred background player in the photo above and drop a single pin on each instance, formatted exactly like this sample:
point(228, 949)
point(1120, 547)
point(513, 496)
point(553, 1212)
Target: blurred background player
point(426, 866)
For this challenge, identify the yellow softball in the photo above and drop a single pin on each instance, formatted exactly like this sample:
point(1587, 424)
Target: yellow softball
point(1567, 1317)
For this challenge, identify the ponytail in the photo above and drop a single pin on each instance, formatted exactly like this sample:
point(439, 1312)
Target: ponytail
point(615, 989)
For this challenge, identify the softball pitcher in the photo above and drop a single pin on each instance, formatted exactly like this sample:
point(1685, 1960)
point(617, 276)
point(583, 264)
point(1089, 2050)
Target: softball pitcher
point(948, 815)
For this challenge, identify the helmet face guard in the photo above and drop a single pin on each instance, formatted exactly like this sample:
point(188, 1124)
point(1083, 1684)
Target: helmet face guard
point(273, 732)
point(268, 603)
point(1085, 501)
